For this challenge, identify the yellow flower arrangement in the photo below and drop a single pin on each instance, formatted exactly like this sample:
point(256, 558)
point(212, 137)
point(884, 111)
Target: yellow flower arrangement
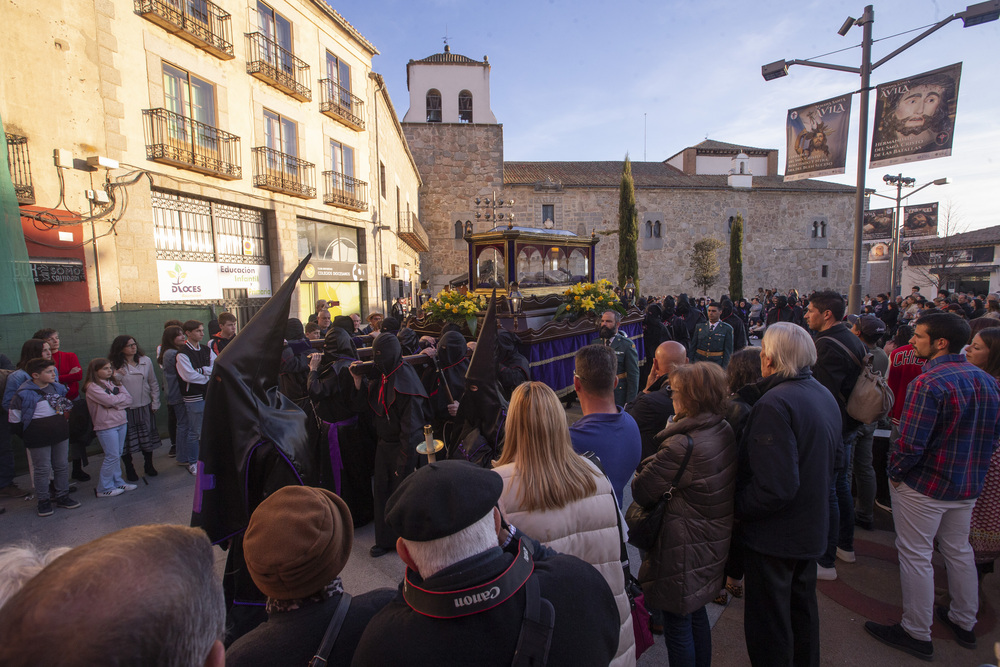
point(452, 306)
point(589, 299)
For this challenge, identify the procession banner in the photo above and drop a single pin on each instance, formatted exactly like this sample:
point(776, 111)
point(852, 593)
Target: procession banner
point(817, 139)
point(920, 220)
point(878, 224)
point(915, 117)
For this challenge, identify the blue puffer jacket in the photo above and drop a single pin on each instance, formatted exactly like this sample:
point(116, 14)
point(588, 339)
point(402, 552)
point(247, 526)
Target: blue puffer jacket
point(786, 467)
point(26, 399)
point(14, 382)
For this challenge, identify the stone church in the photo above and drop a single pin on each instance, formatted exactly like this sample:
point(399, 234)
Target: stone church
point(796, 234)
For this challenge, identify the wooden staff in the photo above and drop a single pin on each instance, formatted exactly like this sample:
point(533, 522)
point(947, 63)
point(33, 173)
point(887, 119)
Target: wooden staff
point(437, 365)
point(362, 367)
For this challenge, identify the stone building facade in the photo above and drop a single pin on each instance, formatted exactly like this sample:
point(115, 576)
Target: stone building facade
point(243, 140)
point(797, 234)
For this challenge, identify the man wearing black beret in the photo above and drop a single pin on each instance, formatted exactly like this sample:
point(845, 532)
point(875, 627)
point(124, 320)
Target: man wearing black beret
point(471, 583)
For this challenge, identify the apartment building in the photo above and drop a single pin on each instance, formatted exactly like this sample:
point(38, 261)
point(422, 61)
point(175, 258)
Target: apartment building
point(193, 152)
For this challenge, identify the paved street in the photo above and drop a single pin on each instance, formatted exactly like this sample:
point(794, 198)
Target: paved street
point(868, 589)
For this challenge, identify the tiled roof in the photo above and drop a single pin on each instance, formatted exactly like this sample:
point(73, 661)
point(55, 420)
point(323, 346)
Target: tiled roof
point(987, 236)
point(646, 175)
point(449, 57)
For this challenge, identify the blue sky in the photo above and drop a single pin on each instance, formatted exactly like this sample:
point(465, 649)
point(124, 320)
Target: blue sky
point(573, 80)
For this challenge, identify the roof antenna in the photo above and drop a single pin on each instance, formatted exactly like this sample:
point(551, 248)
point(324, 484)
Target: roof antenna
point(446, 48)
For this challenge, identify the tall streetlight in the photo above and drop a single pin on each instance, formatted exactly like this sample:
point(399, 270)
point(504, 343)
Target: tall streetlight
point(982, 12)
point(900, 182)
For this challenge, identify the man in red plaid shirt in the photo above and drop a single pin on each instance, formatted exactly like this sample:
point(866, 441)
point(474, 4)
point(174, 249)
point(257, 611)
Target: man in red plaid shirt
point(949, 428)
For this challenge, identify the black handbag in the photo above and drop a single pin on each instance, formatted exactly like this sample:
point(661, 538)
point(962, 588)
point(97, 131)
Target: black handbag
point(644, 523)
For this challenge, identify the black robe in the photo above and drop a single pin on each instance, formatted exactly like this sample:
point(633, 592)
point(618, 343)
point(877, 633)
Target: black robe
point(347, 457)
point(396, 397)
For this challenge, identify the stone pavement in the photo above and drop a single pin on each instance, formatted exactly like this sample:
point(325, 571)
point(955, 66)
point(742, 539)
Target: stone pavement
point(866, 590)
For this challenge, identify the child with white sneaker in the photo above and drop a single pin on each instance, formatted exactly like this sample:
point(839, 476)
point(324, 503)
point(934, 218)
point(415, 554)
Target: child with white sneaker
point(107, 402)
point(38, 414)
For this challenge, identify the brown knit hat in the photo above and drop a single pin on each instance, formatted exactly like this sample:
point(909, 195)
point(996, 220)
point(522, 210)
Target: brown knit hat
point(298, 541)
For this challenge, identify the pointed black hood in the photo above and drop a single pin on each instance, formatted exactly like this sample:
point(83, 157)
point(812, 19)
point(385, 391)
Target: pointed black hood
point(254, 438)
point(483, 408)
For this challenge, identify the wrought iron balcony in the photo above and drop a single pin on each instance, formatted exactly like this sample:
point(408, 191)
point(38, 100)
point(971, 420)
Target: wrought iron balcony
point(345, 191)
point(183, 142)
point(413, 234)
point(340, 104)
point(277, 66)
point(280, 172)
point(20, 168)
point(203, 23)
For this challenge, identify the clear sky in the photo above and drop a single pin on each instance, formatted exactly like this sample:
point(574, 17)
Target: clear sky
point(588, 80)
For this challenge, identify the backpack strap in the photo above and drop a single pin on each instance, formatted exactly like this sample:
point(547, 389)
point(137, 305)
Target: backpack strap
point(535, 638)
point(846, 349)
point(332, 631)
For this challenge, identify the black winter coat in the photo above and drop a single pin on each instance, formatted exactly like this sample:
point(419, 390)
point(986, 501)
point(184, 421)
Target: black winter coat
point(786, 468)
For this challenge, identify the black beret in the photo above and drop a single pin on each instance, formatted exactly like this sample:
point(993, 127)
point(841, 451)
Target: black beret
point(441, 499)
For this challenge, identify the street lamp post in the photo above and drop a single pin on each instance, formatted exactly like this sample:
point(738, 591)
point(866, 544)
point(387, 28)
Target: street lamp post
point(982, 12)
point(900, 182)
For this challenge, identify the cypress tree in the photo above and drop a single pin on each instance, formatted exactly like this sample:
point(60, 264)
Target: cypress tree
point(736, 259)
point(628, 229)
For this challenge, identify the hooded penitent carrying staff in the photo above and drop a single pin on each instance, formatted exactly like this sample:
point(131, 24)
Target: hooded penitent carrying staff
point(254, 441)
point(398, 400)
point(445, 382)
point(346, 452)
point(482, 410)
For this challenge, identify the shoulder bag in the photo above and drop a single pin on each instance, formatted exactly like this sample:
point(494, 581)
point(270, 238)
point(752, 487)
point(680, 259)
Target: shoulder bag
point(644, 523)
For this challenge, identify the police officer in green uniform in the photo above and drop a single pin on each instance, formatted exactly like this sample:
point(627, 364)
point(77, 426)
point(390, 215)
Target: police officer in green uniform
point(712, 340)
point(628, 358)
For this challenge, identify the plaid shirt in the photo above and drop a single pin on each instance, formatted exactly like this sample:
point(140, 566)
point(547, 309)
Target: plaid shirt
point(949, 428)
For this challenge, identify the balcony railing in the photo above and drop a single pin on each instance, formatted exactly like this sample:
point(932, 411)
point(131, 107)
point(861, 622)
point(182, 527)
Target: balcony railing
point(280, 172)
point(413, 234)
point(277, 66)
point(345, 191)
point(203, 23)
point(20, 168)
point(340, 104)
point(183, 142)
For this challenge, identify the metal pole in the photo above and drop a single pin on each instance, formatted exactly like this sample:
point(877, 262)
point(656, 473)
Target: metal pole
point(895, 240)
point(854, 295)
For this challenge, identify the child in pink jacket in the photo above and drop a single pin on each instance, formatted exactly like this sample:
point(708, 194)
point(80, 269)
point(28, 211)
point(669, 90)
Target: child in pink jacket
point(107, 402)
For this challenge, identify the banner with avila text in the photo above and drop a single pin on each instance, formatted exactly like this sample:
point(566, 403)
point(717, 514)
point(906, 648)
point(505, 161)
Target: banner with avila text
point(817, 139)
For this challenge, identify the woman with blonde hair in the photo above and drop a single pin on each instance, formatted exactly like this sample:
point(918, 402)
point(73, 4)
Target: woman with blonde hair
point(696, 464)
point(559, 498)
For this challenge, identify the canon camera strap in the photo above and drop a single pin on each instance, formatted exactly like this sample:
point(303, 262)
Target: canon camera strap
point(468, 601)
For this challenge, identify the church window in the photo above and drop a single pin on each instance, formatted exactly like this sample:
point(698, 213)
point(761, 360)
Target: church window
point(459, 229)
point(649, 229)
point(433, 106)
point(824, 271)
point(548, 213)
point(656, 229)
point(465, 107)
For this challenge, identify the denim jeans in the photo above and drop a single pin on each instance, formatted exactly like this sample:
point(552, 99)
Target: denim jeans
point(195, 415)
point(180, 440)
point(688, 638)
point(52, 460)
point(112, 442)
point(864, 473)
point(841, 533)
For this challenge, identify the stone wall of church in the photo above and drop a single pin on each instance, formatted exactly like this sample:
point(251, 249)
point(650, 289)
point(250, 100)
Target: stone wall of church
point(779, 249)
point(457, 162)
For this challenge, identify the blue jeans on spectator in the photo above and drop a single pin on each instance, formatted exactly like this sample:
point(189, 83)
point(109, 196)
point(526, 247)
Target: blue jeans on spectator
point(195, 414)
point(688, 638)
point(6, 454)
point(52, 460)
point(841, 533)
point(112, 442)
point(864, 473)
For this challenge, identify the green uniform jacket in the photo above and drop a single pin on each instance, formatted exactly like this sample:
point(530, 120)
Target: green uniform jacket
point(628, 367)
point(715, 346)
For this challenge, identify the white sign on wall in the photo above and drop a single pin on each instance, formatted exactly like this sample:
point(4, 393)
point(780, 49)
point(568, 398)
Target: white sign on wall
point(181, 280)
